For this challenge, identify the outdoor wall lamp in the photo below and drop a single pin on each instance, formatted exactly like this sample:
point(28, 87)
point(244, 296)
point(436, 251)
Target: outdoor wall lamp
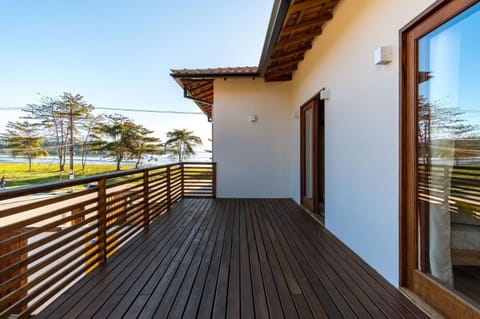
point(383, 55)
point(324, 94)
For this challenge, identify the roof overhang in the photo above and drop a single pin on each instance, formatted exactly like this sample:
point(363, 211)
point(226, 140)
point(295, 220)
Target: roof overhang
point(293, 26)
point(197, 84)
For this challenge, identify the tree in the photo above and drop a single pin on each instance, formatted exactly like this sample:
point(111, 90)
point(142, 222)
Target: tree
point(440, 127)
point(57, 117)
point(122, 139)
point(87, 139)
point(181, 143)
point(22, 139)
point(76, 109)
point(146, 145)
point(47, 117)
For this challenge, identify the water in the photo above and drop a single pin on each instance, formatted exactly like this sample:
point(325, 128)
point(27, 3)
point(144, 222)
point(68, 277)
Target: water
point(98, 160)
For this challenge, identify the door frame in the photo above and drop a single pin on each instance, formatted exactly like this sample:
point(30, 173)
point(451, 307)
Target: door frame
point(424, 285)
point(314, 207)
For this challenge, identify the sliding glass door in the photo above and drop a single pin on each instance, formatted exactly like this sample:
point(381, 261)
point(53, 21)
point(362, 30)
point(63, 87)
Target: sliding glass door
point(441, 158)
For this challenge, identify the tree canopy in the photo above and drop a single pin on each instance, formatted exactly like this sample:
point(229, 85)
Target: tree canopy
point(22, 139)
point(66, 124)
point(181, 143)
point(57, 117)
point(122, 139)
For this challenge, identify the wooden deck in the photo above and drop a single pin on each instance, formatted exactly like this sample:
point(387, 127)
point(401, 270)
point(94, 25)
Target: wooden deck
point(233, 258)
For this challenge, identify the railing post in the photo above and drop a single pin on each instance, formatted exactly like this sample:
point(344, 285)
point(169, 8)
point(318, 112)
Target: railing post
point(5, 249)
point(214, 180)
point(183, 178)
point(102, 220)
point(146, 197)
point(169, 196)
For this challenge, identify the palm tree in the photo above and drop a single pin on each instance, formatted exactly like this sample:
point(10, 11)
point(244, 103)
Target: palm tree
point(146, 145)
point(120, 138)
point(116, 137)
point(181, 143)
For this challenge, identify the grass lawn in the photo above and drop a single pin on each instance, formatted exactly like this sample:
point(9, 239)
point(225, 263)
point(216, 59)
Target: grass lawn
point(17, 174)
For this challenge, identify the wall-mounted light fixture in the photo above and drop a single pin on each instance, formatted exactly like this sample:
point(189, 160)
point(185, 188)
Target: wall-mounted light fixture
point(296, 114)
point(324, 94)
point(252, 118)
point(383, 55)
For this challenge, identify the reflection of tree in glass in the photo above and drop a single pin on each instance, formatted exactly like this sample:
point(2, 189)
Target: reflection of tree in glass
point(444, 132)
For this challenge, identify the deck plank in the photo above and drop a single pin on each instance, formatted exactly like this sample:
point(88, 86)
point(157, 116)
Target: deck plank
point(129, 285)
point(200, 283)
point(258, 289)
point(271, 293)
point(177, 262)
point(119, 264)
point(219, 309)
point(235, 258)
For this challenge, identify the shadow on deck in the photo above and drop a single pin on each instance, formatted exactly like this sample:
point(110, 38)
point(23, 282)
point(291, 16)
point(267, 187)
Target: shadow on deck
point(232, 258)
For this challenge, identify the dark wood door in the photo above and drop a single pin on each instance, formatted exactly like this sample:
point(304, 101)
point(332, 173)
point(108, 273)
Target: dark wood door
point(312, 155)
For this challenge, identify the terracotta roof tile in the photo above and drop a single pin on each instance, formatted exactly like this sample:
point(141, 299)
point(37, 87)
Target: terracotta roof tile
point(244, 70)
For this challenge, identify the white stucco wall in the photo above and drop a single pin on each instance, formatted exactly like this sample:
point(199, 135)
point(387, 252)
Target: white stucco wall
point(361, 134)
point(253, 159)
point(362, 125)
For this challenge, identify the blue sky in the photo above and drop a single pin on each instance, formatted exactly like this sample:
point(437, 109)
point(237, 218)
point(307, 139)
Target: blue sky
point(451, 54)
point(118, 53)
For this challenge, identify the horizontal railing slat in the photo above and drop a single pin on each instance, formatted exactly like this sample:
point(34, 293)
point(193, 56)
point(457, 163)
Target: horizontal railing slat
point(47, 243)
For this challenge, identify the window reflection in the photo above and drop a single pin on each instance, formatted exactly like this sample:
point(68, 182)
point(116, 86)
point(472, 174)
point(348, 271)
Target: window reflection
point(448, 150)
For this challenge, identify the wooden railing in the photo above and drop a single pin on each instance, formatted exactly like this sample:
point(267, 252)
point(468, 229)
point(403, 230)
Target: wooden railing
point(455, 186)
point(50, 237)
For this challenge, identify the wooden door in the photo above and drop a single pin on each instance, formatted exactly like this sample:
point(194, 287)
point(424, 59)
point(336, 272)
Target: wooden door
point(312, 155)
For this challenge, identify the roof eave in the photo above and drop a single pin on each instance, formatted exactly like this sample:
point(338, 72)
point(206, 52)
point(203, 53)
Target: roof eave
point(204, 76)
point(279, 12)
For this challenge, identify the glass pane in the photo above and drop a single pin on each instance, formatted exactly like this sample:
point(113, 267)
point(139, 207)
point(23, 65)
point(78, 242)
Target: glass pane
point(448, 149)
point(309, 153)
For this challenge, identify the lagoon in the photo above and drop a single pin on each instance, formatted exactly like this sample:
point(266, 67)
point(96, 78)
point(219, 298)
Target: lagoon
point(99, 160)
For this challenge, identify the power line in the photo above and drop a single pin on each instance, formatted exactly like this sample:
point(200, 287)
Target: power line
point(147, 111)
point(131, 109)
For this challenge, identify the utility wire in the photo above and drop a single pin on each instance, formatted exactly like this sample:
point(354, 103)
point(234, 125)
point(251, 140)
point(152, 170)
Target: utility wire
point(13, 108)
point(147, 111)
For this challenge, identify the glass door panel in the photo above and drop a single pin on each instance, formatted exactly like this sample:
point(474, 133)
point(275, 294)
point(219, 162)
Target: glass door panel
point(448, 153)
point(309, 153)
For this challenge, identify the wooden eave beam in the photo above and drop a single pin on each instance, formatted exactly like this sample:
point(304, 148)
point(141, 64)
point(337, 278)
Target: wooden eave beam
point(307, 37)
point(195, 85)
point(317, 22)
point(201, 90)
point(278, 74)
point(283, 68)
point(207, 96)
point(305, 5)
point(297, 51)
point(289, 60)
point(277, 78)
point(284, 65)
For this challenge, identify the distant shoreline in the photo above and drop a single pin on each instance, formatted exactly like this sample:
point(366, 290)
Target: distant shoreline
point(99, 160)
